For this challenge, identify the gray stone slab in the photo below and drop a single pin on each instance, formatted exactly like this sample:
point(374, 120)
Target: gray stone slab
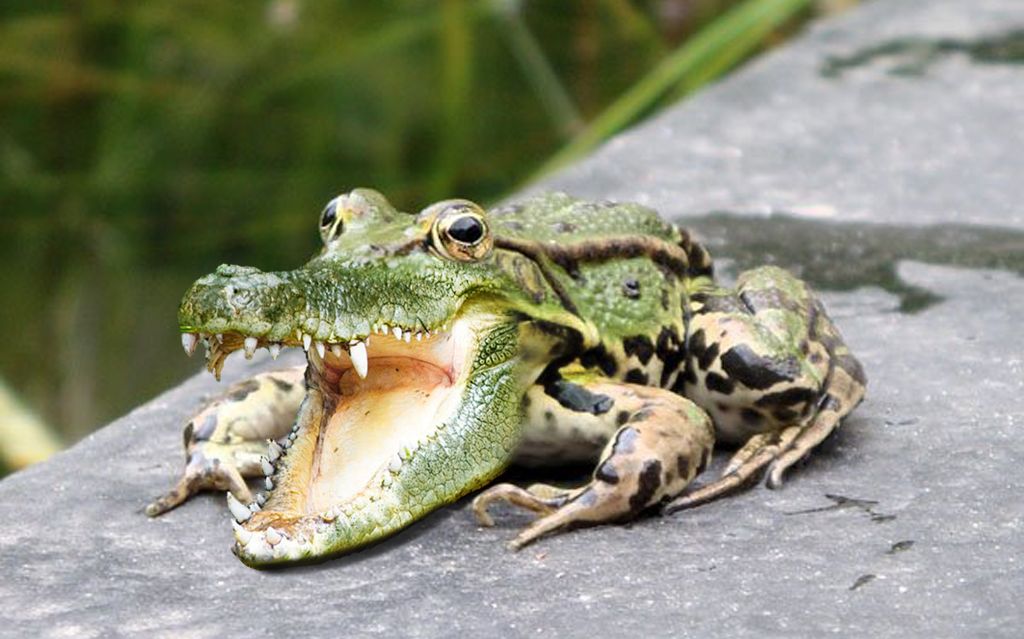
point(923, 533)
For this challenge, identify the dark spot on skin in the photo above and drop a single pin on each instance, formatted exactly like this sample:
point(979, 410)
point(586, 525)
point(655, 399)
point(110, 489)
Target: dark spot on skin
point(664, 299)
point(625, 441)
point(577, 398)
point(564, 227)
point(599, 358)
point(606, 473)
point(549, 418)
point(756, 372)
point(243, 390)
point(751, 417)
point(719, 384)
point(188, 434)
point(790, 397)
point(705, 461)
point(282, 385)
point(697, 345)
point(670, 351)
point(205, 431)
point(815, 358)
point(642, 415)
point(722, 408)
point(707, 358)
point(785, 415)
point(852, 366)
point(622, 418)
point(862, 580)
point(649, 481)
point(683, 466)
point(639, 345)
point(631, 288)
point(526, 401)
point(636, 376)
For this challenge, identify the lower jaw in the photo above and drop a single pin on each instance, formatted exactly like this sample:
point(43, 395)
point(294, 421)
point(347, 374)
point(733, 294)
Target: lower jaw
point(338, 483)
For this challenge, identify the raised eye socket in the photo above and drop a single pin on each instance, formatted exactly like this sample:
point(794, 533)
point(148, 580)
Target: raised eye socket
point(461, 232)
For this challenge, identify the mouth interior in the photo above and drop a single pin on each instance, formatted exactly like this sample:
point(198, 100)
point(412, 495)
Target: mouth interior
point(375, 419)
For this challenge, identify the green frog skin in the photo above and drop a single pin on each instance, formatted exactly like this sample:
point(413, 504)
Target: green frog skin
point(444, 345)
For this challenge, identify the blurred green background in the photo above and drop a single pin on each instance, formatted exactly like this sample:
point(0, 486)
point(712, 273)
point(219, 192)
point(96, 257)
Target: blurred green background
point(143, 144)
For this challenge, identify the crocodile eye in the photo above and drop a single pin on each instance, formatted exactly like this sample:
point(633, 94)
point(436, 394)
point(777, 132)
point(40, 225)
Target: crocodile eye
point(461, 232)
point(331, 225)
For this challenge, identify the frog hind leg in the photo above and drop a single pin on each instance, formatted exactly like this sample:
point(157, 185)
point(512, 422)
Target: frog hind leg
point(793, 381)
point(226, 440)
point(662, 442)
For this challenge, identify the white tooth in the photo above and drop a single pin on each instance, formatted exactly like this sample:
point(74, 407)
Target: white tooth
point(357, 350)
point(407, 336)
point(307, 339)
point(269, 483)
point(396, 464)
point(261, 498)
point(336, 349)
point(275, 350)
point(268, 468)
point(272, 536)
point(220, 338)
point(254, 507)
point(320, 349)
point(238, 511)
point(397, 332)
point(250, 346)
point(273, 450)
point(419, 337)
point(241, 534)
point(188, 342)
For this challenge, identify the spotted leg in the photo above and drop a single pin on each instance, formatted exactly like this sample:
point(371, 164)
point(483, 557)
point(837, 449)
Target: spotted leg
point(225, 441)
point(771, 368)
point(662, 442)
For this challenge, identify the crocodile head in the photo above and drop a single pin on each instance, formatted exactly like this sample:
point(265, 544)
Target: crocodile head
point(421, 337)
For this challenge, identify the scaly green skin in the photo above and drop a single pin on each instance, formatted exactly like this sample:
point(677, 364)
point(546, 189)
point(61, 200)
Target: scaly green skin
point(585, 323)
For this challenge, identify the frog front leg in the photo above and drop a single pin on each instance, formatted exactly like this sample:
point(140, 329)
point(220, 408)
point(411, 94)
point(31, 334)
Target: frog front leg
point(773, 371)
point(661, 442)
point(226, 441)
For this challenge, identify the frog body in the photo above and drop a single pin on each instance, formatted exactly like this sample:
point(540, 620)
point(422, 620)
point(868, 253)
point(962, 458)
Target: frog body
point(444, 345)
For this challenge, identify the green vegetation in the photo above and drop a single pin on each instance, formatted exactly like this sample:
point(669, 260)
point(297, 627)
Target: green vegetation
point(141, 144)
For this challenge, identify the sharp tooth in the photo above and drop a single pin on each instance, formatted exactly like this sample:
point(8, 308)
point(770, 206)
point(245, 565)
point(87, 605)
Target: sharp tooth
point(272, 536)
point(241, 534)
point(407, 336)
point(321, 350)
point(336, 349)
point(397, 332)
point(275, 350)
point(273, 450)
point(268, 468)
point(269, 483)
point(188, 342)
point(419, 336)
point(307, 340)
point(396, 463)
point(254, 507)
point(220, 338)
point(238, 511)
point(357, 351)
point(261, 498)
point(250, 346)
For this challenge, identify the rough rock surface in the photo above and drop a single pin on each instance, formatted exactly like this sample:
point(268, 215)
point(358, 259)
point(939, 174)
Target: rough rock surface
point(890, 138)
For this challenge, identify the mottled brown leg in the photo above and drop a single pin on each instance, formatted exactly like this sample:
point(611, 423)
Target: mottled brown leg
point(752, 462)
point(665, 441)
point(225, 441)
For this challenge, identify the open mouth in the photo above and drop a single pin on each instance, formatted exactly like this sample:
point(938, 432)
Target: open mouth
point(372, 405)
